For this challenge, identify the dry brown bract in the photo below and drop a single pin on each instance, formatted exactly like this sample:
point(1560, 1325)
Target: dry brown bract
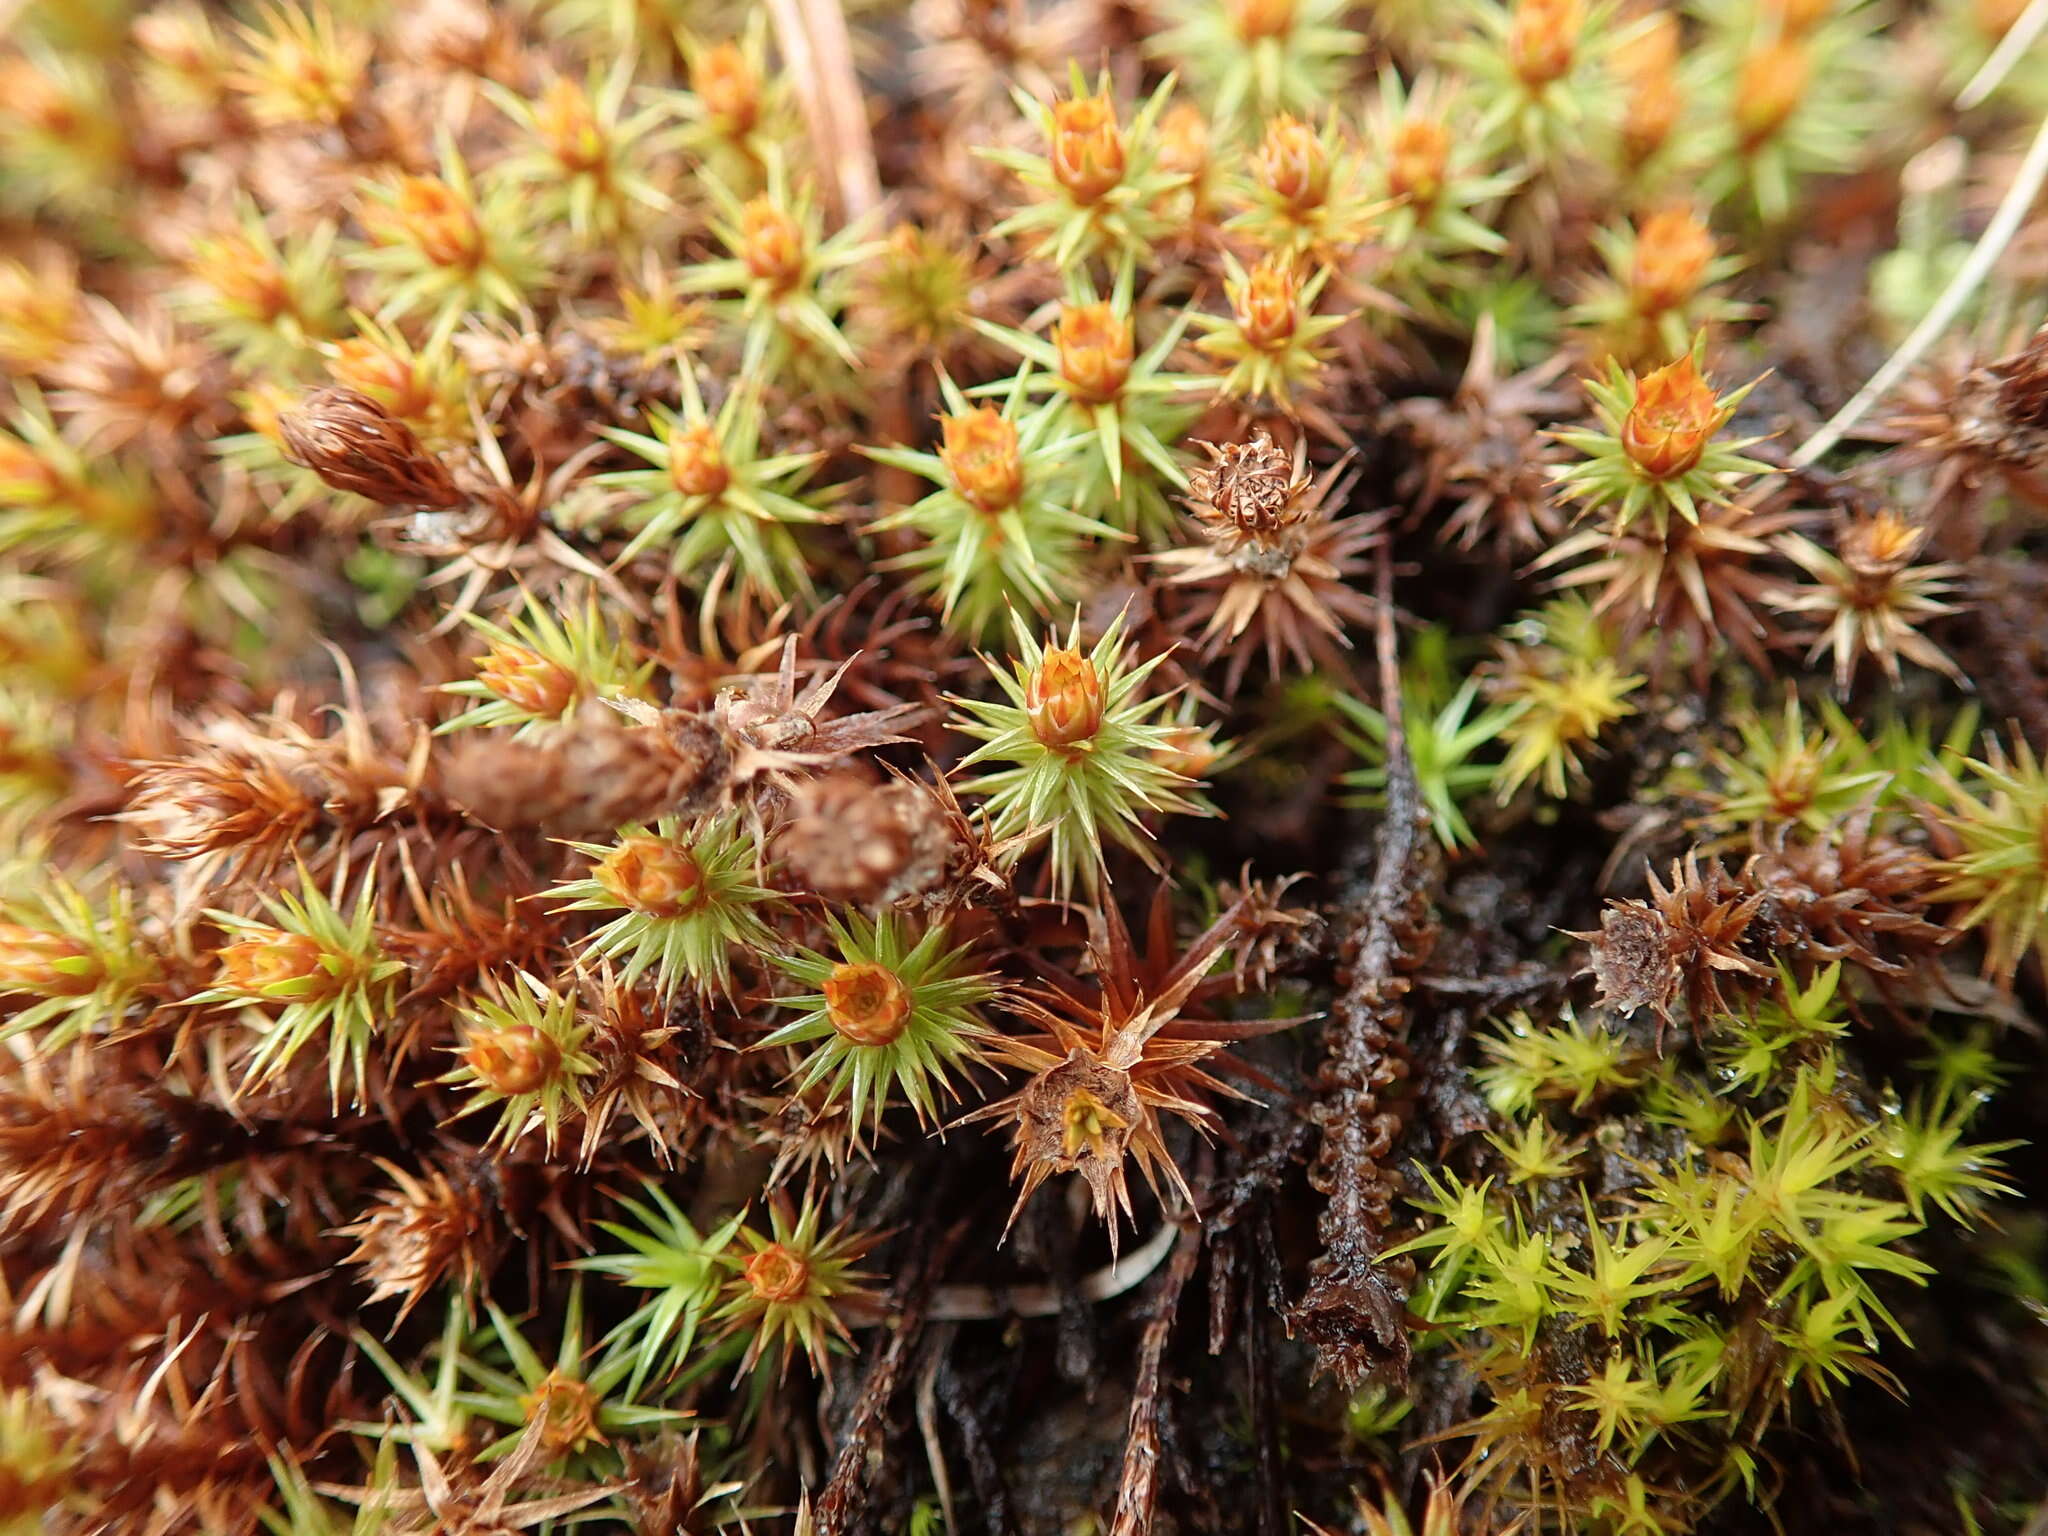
point(1277, 574)
point(1483, 449)
point(772, 734)
point(1857, 896)
point(1679, 946)
point(419, 1232)
point(1971, 425)
point(1112, 1058)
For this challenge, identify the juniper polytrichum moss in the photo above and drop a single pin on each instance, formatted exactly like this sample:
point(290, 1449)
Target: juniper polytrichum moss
point(1022, 765)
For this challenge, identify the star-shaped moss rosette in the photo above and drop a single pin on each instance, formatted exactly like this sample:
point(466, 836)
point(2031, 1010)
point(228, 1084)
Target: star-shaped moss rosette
point(1088, 755)
point(442, 248)
point(1272, 341)
point(81, 965)
point(60, 505)
point(714, 499)
point(1795, 101)
point(264, 301)
point(1302, 193)
point(789, 277)
point(1446, 733)
point(522, 1052)
point(1248, 59)
point(588, 161)
point(1112, 1060)
point(1097, 189)
point(1538, 73)
point(739, 107)
point(1657, 293)
point(685, 897)
point(891, 1018)
point(540, 669)
point(1002, 529)
point(788, 1286)
point(1125, 402)
point(1994, 815)
point(1566, 685)
point(324, 966)
point(578, 1412)
point(667, 1256)
point(1427, 166)
point(1656, 449)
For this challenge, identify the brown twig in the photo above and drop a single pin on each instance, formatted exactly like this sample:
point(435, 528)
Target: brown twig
point(1139, 1489)
point(1355, 1309)
point(818, 54)
point(859, 1455)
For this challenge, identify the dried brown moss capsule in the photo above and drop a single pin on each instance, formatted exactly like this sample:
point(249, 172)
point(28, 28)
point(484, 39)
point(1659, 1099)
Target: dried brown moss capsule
point(354, 444)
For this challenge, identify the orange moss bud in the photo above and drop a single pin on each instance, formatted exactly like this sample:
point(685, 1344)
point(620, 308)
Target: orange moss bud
point(1095, 348)
point(25, 479)
point(867, 1004)
point(514, 1060)
point(1063, 698)
point(33, 98)
point(778, 1274)
point(568, 127)
point(1266, 304)
point(46, 964)
point(1087, 147)
point(523, 677)
point(1647, 61)
point(369, 368)
point(729, 89)
point(771, 244)
point(566, 1410)
point(1875, 549)
point(1262, 18)
point(1769, 89)
point(243, 274)
point(696, 462)
point(1668, 426)
point(1416, 161)
point(1672, 252)
point(1543, 40)
point(1797, 18)
point(1184, 140)
point(653, 875)
point(1291, 163)
point(270, 960)
point(981, 453)
point(433, 216)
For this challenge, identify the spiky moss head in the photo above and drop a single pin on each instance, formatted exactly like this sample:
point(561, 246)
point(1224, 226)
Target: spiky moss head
point(323, 970)
point(1658, 448)
point(1088, 754)
point(787, 1287)
point(894, 1015)
point(1005, 528)
point(538, 670)
point(523, 1052)
point(686, 898)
